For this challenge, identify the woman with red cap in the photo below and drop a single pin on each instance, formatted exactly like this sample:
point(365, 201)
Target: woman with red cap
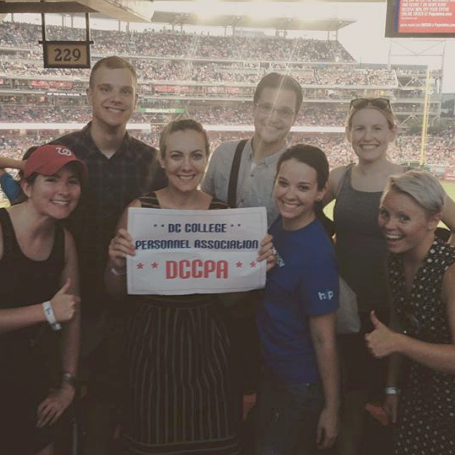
point(39, 303)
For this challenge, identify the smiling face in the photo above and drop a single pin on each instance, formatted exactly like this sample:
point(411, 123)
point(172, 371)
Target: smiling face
point(185, 160)
point(405, 224)
point(295, 193)
point(55, 196)
point(370, 134)
point(112, 96)
point(273, 115)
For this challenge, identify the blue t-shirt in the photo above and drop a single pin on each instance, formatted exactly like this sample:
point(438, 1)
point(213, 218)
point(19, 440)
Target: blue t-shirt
point(10, 187)
point(304, 283)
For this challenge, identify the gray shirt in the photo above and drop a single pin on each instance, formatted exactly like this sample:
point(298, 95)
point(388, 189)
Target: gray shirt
point(255, 184)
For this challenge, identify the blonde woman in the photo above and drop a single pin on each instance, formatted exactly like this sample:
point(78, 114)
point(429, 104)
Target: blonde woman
point(421, 275)
point(361, 249)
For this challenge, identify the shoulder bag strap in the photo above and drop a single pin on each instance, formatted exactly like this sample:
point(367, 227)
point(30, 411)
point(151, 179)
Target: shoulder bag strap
point(234, 175)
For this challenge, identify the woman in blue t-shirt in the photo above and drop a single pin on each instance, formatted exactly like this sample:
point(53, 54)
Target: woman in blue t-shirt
point(298, 398)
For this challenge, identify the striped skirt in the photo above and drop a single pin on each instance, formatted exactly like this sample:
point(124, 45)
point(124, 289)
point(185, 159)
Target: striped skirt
point(179, 396)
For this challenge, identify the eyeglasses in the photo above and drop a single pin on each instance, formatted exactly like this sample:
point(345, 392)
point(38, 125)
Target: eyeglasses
point(282, 112)
point(380, 103)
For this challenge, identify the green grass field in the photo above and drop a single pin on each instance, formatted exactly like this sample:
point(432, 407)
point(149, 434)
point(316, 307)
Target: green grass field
point(450, 188)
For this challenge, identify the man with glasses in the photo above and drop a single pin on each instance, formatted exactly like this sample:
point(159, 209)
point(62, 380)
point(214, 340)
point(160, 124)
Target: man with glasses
point(276, 103)
point(242, 173)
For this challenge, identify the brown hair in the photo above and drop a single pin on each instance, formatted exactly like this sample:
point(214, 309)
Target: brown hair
point(113, 63)
point(182, 125)
point(281, 82)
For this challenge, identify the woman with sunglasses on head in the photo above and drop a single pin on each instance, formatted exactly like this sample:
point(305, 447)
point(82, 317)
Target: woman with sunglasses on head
point(421, 276)
point(180, 397)
point(361, 251)
point(39, 303)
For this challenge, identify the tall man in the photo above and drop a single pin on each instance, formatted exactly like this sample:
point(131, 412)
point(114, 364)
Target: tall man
point(120, 168)
point(276, 103)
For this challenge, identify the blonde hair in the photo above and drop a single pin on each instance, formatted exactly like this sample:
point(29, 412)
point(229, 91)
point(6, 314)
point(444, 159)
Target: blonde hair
point(387, 113)
point(424, 188)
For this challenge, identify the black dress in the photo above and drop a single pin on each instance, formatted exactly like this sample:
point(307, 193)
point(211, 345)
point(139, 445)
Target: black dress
point(179, 394)
point(29, 357)
point(426, 413)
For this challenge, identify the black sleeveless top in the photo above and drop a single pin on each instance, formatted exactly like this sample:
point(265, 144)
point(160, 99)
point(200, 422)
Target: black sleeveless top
point(360, 246)
point(25, 282)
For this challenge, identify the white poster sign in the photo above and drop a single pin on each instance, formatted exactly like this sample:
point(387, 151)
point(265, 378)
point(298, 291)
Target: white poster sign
point(195, 251)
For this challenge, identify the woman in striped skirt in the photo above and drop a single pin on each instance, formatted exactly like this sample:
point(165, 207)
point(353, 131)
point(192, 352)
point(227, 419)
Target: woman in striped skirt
point(180, 395)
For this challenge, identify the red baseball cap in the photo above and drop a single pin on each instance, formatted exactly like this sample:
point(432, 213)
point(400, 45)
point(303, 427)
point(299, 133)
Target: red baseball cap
point(49, 159)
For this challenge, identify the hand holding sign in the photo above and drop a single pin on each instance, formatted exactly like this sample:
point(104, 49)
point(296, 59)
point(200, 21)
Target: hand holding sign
point(267, 252)
point(119, 248)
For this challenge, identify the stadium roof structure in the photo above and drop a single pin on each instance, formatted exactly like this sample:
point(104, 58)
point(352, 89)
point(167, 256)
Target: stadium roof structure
point(122, 10)
point(143, 11)
point(232, 20)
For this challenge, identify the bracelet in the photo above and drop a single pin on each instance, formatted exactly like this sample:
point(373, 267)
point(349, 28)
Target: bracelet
point(115, 272)
point(392, 390)
point(70, 379)
point(50, 316)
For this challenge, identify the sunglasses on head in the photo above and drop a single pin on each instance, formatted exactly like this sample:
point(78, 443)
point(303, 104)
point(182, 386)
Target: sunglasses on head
point(380, 103)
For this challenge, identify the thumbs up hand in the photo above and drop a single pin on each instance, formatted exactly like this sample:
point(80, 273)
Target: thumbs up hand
point(64, 304)
point(381, 341)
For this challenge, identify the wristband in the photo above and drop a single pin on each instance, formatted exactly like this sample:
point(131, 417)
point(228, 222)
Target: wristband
point(70, 379)
point(392, 391)
point(115, 272)
point(50, 316)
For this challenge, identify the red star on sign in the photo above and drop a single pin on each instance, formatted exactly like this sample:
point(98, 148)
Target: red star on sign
point(140, 266)
point(239, 264)
point(154, 265)
point(253, 264)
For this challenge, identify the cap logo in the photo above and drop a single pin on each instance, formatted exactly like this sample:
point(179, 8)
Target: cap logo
point(63, 151)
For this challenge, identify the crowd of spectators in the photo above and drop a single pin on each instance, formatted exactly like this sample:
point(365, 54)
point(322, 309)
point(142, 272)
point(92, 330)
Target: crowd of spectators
point(168, 71)
point(178, 44)
point(15, 113)
point(439, 149)
point(229, 114)
point(175, 66)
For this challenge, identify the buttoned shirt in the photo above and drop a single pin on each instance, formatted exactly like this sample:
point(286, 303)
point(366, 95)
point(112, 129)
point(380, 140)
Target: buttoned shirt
point(255, 182)
point(111, 185)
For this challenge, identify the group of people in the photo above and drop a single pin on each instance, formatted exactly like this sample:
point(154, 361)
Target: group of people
point(171, 371)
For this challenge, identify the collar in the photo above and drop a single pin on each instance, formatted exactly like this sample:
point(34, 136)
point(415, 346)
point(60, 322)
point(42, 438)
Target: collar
point(268, 159)
point(125, 147)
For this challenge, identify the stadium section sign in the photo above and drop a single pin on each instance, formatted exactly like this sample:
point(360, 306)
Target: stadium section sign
point(195, 251)
point(66, 54)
